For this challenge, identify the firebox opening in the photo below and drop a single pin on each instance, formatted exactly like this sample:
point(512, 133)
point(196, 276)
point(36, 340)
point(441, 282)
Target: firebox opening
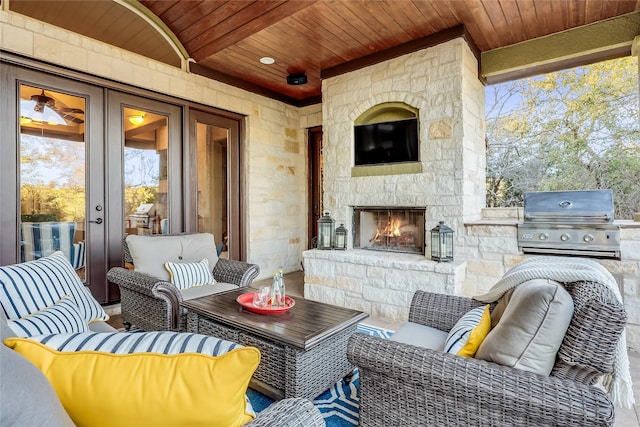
point(389, 229)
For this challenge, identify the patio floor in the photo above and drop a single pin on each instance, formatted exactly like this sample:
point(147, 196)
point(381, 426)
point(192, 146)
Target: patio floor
point(624, 417)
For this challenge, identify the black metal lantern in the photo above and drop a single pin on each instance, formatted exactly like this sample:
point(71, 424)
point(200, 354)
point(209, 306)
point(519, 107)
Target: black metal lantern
point(442, 243)
point(340, 241)
point(325, 231)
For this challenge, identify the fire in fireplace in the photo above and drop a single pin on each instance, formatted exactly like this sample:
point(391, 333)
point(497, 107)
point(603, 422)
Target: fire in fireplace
point(389, 229)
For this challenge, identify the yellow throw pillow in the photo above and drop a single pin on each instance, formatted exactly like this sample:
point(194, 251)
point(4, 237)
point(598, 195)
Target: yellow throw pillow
point(469, 332)
point(147, 389)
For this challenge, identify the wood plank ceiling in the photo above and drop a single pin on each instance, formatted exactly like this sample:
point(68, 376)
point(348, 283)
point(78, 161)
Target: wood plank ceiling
point(320, 38)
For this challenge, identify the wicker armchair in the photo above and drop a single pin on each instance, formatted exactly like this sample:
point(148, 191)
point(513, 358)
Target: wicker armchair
point(405, 385)
point(153, 305)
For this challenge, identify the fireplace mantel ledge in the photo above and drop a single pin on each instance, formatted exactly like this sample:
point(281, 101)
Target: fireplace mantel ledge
point(399, 261)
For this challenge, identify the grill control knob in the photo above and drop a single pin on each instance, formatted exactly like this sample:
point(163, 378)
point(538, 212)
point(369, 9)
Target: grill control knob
point(543, 236)
point(588, 238)
point(564, 237)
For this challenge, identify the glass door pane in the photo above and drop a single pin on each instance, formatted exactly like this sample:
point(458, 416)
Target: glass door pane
point(146, 142)
point(212, 142)
point(52, 171)
point(214, 166)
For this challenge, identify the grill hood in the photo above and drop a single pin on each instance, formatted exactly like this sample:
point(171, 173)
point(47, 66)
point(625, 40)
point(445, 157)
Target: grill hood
point(582, 206)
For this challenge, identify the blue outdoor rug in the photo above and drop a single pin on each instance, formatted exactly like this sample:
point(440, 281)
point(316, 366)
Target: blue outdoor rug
point(339, 404)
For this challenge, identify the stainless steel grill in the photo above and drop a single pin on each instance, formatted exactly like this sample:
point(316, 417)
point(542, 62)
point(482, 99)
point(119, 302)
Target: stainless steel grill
point(142, 217)
point(570, 223)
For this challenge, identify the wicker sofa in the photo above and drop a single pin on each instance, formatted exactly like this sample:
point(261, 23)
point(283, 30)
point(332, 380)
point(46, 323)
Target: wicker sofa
point(406, 385)
point(152, 304)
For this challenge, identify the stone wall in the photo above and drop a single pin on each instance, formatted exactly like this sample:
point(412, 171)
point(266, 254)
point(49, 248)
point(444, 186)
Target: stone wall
point(276, 170)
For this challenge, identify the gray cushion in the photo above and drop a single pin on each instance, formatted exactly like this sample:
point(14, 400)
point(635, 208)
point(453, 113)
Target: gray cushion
point(531, 328)
point(5, 330)
point(26, 396)
point(420, 335)
point(150, 253)
point(204, 290)
point(28, 399)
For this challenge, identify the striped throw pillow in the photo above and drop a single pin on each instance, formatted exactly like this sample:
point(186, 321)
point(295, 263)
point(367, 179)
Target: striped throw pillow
point(187, 274)
point(62, 317)
point(78, 255)
point(163, 342)
point(468, 333)
point(31, 286)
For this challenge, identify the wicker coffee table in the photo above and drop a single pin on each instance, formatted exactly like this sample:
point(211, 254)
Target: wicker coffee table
point(304, 351)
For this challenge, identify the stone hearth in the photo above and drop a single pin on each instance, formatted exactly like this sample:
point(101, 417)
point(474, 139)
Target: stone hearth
point(379, 283)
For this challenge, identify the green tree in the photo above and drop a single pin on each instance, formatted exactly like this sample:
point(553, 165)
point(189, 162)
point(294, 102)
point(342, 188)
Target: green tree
point(570, 130)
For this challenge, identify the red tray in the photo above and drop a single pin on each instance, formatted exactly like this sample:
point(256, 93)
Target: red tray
point(246, 301)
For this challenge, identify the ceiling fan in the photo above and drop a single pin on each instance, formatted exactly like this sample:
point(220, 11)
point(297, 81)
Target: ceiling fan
point(40, 103)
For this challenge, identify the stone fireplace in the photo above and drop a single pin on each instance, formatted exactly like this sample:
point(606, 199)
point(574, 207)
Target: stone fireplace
point(389, 229)
point(381, 269)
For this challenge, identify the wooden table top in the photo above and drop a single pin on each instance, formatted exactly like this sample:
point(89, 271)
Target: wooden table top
point(304, 326)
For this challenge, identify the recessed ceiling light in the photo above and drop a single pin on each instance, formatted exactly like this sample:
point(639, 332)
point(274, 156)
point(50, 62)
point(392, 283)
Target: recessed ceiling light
point(267, 60)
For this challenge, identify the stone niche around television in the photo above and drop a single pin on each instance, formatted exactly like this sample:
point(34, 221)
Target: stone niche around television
point(386, 141)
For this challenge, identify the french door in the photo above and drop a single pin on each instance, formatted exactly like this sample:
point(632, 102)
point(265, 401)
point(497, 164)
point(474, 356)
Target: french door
point(53, 178)
point(144, 153)
point(81, 167)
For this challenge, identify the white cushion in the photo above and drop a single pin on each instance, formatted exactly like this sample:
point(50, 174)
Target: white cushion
point(203, 291)
point(185, 275)
point(532, 327)
point(420, 335)
point(34, 285)
point(101, 326)
point(151, 253)
point(62, 317)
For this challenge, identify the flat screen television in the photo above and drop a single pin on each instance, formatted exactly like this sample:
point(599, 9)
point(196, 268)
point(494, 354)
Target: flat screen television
point(386, 142)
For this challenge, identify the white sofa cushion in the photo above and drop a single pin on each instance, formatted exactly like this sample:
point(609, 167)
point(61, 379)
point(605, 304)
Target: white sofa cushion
point(532, 327)
point(420, 335)
point(34, 285)
point(202, 291)
point(151, 253)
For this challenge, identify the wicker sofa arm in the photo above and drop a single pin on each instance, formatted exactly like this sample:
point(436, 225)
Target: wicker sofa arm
point(452, 390)
point(150, 303)
point(294, 412)
point(138, 282)
point(237, 272)
point(439, 311)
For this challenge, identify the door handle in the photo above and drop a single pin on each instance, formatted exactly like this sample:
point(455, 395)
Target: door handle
point(97, 221)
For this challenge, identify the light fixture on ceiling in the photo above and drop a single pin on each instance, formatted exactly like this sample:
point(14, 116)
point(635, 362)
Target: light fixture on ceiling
point(136, 119)
point(267, 60)
point(34, 111)
point(297, 79)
